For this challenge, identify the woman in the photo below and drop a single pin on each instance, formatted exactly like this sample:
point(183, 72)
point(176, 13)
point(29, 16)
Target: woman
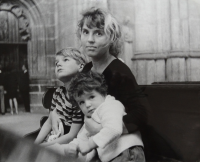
point(100, 37)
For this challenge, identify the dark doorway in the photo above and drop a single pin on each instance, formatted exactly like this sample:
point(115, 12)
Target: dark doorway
point(12, 56)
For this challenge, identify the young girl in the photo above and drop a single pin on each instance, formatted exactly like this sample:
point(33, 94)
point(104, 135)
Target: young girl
point(68, 63)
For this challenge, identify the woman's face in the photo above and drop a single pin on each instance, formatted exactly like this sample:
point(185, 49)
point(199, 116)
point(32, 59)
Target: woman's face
point(94, 42)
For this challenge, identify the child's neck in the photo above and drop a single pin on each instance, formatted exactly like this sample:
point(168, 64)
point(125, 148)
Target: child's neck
point(66, 84)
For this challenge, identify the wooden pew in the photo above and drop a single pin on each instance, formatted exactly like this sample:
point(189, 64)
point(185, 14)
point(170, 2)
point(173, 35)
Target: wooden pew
point(173, 131)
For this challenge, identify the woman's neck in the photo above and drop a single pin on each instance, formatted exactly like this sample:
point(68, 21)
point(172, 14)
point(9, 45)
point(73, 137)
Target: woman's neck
point(100, 64)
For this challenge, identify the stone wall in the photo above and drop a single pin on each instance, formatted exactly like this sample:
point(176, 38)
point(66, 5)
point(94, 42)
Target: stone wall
point(164, 44)
point(167, 41)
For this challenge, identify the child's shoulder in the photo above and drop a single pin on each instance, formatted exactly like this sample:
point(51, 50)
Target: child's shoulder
point(111, 99)
point(110, 104)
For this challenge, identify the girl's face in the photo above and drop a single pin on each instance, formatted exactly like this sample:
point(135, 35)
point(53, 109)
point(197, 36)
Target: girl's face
point(94, 42)
point(89, 102)
point(66, 67)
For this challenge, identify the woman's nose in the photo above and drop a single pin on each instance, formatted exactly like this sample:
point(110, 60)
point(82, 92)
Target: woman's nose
point(91, 38)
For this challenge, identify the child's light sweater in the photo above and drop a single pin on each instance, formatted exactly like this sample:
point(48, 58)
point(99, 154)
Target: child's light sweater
point(107, 130)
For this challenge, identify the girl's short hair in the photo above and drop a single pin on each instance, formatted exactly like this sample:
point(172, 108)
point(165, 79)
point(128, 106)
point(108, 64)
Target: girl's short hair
point(73, 53)
point(87, 82)
point(96, 17)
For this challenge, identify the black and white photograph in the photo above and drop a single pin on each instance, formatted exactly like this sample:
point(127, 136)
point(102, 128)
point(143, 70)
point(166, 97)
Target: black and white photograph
point(99, 80)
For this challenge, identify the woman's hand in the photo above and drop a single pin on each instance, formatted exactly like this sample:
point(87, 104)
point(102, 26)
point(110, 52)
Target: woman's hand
point(55, 120)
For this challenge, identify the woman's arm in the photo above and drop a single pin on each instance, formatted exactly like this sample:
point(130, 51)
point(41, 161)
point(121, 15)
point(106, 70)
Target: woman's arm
point(46, 128)
point(67, 137)
point(126, 90)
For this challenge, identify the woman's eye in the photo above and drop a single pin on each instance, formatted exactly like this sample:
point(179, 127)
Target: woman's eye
point(56, 63)
point(66, 59)
point(85, 32)
point(99, 33)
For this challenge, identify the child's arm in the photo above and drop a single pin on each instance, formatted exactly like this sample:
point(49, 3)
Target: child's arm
point(67, 137)
point(112, 127)
point(46, 128)
point(55, 120)
point(111, 115)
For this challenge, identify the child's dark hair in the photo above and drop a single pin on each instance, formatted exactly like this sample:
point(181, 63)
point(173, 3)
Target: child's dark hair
point(87, 82)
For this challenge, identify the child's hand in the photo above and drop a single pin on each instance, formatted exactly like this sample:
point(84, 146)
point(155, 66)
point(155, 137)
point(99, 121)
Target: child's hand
point(71, 151)
point(86, 146)
point(91, 126)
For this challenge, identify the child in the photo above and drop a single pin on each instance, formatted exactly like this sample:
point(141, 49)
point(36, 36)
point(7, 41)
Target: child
point(68, 63)
point(104, 129)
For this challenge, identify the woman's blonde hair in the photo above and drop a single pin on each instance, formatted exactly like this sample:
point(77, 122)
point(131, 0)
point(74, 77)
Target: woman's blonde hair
point(96, 17)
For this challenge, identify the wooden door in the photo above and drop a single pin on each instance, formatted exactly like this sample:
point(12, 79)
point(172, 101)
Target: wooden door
point(13, 56)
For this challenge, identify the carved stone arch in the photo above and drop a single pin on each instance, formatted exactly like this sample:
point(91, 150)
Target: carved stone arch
point(32, 29)
point(22, 19)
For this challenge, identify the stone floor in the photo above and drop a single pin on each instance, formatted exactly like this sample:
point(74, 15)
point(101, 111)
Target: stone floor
point(22, 123)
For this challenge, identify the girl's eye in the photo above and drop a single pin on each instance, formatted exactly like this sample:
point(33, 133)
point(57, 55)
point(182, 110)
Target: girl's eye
point(66, 59)
point(56, 63)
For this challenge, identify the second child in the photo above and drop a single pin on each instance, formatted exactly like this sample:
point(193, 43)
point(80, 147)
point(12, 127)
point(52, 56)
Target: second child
point(104, 131)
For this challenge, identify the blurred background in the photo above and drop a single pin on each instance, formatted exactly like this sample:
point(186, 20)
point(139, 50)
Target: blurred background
point(161, 38)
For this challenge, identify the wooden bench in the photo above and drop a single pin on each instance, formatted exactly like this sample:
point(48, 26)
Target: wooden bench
point(173, 131)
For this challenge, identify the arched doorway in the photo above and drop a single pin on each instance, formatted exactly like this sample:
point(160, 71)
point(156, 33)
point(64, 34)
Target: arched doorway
point(13, 55)
point(25, 28)
point(13, 47)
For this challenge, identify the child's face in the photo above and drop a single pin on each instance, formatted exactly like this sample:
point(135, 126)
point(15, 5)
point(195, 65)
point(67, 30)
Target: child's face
point(94, 41)
point(66, 67)
point(89, 102)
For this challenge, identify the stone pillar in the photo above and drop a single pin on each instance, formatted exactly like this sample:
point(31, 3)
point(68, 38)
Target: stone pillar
point(149, 68)
point(176, 66)
point(193, 62)
point(151, 40)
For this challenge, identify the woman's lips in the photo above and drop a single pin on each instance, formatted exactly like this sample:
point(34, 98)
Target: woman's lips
point(59, 70)
point(91, 47)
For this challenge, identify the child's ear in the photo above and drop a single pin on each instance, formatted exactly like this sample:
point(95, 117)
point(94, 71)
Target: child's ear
point(81, 66)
